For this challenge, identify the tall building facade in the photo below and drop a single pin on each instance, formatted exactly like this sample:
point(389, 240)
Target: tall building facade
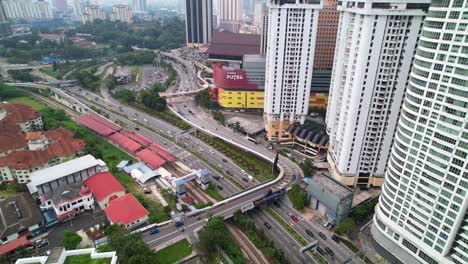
point(230, 15)
point(199, 22)
point(139, 6)
point(79, 6)
point(27, 9)
point(264, 31)
point(121, 13)
point(375, 45)
point(292, 31)
point(3, 16)
point(93, 13)
point(326, 35)
point(258, 13)
point(422, 214)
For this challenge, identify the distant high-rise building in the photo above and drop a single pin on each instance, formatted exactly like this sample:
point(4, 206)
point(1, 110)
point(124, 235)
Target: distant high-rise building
point(93, 13)
point(247, 6)
point(3, 16)
point(121, 13)
point(260, 8)
point(422, 213)
point(264, 31)
point(139, 6)
point(80, 6)
point(60, 5)
point(199, 26)
point(230, 15)
point(326, 36)
point(374, 51)
point(292, 31)
point(27, 9)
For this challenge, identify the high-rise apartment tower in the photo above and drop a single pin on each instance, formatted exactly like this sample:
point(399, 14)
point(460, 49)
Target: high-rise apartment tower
point(422, 214)
point(292, 31)
point(375, 46)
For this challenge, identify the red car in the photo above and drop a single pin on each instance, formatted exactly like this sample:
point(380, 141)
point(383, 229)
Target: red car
point(294, 218)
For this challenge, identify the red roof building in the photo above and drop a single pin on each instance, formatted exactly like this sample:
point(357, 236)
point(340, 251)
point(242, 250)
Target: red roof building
point(9, 247)
point(126, 210)
point(59, 144)
point(151, 159)
point(227, 46)
point(17, 114)
point(104, 187)
point(125, 142)
point(11, 138)
point(101, 129)
point(162, 152)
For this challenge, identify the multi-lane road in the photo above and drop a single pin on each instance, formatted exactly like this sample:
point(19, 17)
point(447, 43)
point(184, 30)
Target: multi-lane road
point(164, 134)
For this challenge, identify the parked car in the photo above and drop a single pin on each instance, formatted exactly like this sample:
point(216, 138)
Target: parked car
point(320, 251)
point(43, 242)
point(329, 251)
point(322, 236)
point(154, 231)
point(267, 225)
point(309, 233)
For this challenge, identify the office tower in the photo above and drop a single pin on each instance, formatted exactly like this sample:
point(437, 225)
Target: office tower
point(289, 62)
point(199, 15)
point(139, 5)
point(93, 13)
point(121, 13)
point(230, 15)
point(326, 36)
point(247, 6)
point(375, 44)
point(422, 215)
point(264, 31)
point(41, 10)
point(60, 5)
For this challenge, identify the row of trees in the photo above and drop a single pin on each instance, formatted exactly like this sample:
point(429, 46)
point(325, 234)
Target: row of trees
point(164, 34)
point(149, 98)
point(297, 197)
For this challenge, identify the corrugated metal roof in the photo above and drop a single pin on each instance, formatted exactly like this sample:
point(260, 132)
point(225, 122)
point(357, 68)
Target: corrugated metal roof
point(60, 170)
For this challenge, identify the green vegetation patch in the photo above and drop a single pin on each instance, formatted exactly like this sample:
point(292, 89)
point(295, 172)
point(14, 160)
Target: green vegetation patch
point(257, 167)
point(30, 101)
point(86, 259)
point(211, 191)
point(174, 252)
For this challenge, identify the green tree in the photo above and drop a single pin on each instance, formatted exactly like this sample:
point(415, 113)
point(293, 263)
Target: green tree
point(130, 247)
point(70, 240)
point(22, 252)
point(297, 197)
point(203, 99)
point(345, 226)
point(152, 100)
point(54, 66)
point(219, 116)
point(308, 167)
point(7, 92)
point(126, 95)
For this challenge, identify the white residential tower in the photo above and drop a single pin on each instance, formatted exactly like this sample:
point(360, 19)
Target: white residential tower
point(292, 31)
point(422, 213)
point(375, 45)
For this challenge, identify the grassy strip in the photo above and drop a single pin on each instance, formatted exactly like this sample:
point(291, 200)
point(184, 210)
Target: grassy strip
point(50, 71)
point(287, 227)
point(258, 168)
point(174, 252)
point(318, 257)
point(211, 191)
point(86, 259)
point(30, 101)
point(166, 115)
